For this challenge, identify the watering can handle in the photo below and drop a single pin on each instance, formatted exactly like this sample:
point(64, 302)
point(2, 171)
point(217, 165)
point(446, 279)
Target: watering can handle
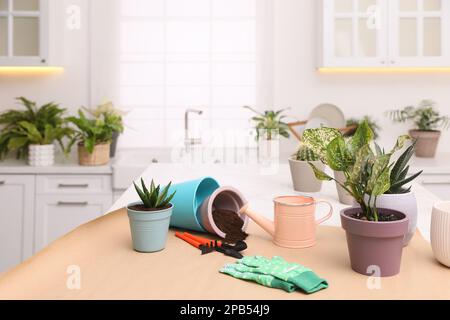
point(328, 216)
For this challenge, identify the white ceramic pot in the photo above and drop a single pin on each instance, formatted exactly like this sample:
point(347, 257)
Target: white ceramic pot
point(440, 232)
point(344, 196)
point(303, 177)
point(405, 203)
point(41, 155)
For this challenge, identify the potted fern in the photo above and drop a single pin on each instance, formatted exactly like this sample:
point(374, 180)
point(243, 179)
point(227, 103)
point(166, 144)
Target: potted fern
point(94, 137)
point(303, 178)
point(374, 235)
point(150, 218)
point(427, 121)
point(32, 132)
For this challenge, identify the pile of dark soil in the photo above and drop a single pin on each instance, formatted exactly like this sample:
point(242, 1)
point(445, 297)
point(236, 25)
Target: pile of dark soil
point(381, 217)
point(231, 224)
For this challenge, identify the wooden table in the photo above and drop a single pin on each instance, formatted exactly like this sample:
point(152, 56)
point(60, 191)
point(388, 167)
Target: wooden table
point(110, 269)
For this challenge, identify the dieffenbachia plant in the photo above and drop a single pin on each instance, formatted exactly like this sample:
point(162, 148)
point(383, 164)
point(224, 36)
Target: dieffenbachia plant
point(366, 169)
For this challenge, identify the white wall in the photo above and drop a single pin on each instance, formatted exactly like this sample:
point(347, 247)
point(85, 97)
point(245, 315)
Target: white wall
point(69, 49)
point(296, 82)
point(298, 85)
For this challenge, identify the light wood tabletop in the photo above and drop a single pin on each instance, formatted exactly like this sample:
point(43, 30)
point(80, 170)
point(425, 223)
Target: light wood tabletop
point(101, 253)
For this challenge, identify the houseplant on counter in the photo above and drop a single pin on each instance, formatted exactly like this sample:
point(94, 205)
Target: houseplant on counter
point(94, 137)
point(303, 178)
point(427, 121)
point(32, 132)
point(150, 218)
point(269, 125)
point(110, 109)
point(374, 235)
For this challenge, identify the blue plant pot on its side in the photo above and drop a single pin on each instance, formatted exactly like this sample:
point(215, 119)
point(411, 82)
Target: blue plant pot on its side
point(149, 228)
point(187, 201)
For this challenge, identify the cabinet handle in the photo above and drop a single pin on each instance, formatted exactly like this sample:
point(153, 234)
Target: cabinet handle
point(437, 183)
point(81, 186)
point(73, 204)
point(2, 183)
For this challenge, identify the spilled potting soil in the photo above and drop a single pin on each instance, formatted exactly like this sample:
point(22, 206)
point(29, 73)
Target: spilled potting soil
point(231, 224)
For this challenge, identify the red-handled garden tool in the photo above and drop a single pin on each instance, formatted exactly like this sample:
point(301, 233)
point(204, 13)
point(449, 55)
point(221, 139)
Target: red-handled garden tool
point(204, 248)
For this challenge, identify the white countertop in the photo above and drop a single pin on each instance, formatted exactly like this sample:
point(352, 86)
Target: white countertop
point(62, 166)
point(438, 165)
point(260, 189)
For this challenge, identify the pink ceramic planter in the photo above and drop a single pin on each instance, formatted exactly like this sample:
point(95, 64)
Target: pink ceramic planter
point(375, 245)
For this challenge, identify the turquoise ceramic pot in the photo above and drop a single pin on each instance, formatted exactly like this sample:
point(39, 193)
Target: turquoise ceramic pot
point(187, 201)
point(149, 229)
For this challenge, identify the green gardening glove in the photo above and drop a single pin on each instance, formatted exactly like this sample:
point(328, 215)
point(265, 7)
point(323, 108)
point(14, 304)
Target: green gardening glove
point(294, 273)
point(240, 271)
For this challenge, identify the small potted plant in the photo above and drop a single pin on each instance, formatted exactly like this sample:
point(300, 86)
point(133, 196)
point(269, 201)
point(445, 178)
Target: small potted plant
point(150, 218)
point(269, 125)
point(33, 132)
point(427, 121)
point(374, 235)
point(94, 138)
point(117, 114)
point(303, 178)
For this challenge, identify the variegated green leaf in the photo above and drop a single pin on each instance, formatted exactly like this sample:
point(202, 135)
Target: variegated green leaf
point(376, 181)
point(320, 175)
point(363, 136)
point(361, 159)
point(400, 143)
point(338, 156)
point(318, 140)
point(382, 183)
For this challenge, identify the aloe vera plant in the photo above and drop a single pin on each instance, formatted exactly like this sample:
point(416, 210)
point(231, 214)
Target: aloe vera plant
point(306, 154)
point(367, 172)
point(399, 173)
point(154, 197)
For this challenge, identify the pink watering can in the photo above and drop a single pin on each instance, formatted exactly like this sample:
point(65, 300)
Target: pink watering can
point(295, 222)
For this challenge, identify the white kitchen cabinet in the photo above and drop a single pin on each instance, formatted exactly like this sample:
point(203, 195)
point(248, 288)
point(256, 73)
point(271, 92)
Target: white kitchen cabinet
point(23, 32)
point(57, 215)
point(385, 33)
point(16, 219)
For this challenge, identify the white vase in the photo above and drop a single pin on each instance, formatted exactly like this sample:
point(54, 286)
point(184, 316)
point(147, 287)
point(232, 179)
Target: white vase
point(405, 203)
point(41, 155)
point(440, 232)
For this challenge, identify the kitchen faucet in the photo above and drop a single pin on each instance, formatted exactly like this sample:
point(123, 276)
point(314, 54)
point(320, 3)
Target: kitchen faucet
point(187, 140)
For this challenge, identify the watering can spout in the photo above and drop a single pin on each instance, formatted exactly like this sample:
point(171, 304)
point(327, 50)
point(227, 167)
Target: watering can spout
point(264, 223)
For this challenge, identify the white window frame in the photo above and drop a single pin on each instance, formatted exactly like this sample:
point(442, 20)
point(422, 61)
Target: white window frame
point(419, 61)
point(328, 20)
point(387, 38)
point(42, 58)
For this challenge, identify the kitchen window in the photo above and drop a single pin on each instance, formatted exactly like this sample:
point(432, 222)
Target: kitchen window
point(177, 54)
